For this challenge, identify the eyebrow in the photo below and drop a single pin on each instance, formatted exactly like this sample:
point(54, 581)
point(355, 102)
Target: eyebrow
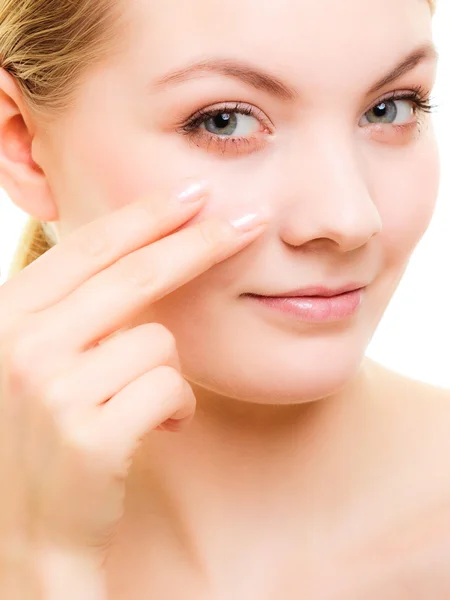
point(267, 82)
point(422, 53)
point(250, 75)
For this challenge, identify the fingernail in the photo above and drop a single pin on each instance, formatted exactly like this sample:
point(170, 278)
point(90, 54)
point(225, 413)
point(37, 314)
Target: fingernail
point(192, 191)
point(250, 221)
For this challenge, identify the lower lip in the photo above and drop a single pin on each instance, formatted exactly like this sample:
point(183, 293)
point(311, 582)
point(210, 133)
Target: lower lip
point(316, 309)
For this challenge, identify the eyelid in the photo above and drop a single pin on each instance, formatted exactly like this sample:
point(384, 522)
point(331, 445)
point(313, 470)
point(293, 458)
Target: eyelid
point(416, 92)
point(233, 107)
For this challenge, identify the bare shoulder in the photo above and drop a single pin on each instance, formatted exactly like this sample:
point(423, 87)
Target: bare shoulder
point(416, 450)
point(417, 440)
point(424, 400)
point(415, 434)
point(420, 422)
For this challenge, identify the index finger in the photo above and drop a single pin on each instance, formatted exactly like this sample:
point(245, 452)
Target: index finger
point(110, 299)
point(97, 245)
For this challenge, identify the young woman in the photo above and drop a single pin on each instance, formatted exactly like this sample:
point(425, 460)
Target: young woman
point(223, 199)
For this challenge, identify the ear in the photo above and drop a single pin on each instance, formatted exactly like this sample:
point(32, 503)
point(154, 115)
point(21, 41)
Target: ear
point(21, 177)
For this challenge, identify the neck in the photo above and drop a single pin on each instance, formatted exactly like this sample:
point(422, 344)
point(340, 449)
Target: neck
point(254, 472)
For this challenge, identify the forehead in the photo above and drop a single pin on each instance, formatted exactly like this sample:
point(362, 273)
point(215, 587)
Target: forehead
point(296, 38)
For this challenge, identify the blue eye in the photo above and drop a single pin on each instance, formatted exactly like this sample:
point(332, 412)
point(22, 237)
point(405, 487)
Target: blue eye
point(387, 111)
point(400, 104)
point(230, 123)
point(222, 124)
point(233, 129)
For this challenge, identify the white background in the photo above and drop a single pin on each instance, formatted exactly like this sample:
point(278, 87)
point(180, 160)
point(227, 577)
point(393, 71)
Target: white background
point(414, 335)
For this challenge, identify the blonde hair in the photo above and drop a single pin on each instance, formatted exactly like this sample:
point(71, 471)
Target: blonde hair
point(47, 45)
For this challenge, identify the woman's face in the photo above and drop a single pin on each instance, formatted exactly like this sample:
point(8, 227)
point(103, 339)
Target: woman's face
point(349, 177)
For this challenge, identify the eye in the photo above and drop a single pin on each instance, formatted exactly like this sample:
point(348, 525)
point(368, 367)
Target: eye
point(231, 123)
point(389, 111)
point(400, 106)
point(228, 129)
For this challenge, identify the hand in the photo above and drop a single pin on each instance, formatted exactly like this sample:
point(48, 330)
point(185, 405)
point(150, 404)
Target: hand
point(76, 402)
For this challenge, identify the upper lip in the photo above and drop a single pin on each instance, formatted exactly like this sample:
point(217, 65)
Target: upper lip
point(318, 290)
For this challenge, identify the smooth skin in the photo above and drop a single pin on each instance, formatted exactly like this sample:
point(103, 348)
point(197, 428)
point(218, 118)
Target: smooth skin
point(306, 470)
point(71, 405)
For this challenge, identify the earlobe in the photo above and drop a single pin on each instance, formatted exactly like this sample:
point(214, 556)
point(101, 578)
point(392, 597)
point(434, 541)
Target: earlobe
point(23, 180)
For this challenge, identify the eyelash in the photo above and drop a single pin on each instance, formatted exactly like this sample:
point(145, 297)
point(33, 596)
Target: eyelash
point(422, 105)
point(417, 95)
point(191, 127)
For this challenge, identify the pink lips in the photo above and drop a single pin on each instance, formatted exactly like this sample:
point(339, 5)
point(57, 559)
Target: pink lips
point(314, 308)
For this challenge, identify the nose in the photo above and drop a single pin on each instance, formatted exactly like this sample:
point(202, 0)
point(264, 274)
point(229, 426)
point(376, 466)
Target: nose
point(329, 198)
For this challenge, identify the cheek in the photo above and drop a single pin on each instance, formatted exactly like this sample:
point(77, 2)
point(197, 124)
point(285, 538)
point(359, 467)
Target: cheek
point(406, 198)
point(149, 163)
point(134, 168)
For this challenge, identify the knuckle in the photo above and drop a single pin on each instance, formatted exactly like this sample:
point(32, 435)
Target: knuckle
point(143, 209)
point(77, 438)
point(140, 275)
point(212, 233)
point(92, 243)
point(173, 381)
point(28, 356)
point(164, 339)
point(53, 393)
point(20, 356)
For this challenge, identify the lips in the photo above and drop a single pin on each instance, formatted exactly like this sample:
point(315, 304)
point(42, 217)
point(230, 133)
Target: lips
point(319, 291)
point(318, 309)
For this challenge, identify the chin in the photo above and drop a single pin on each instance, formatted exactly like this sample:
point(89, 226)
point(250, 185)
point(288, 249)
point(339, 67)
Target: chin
point(302, 369)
